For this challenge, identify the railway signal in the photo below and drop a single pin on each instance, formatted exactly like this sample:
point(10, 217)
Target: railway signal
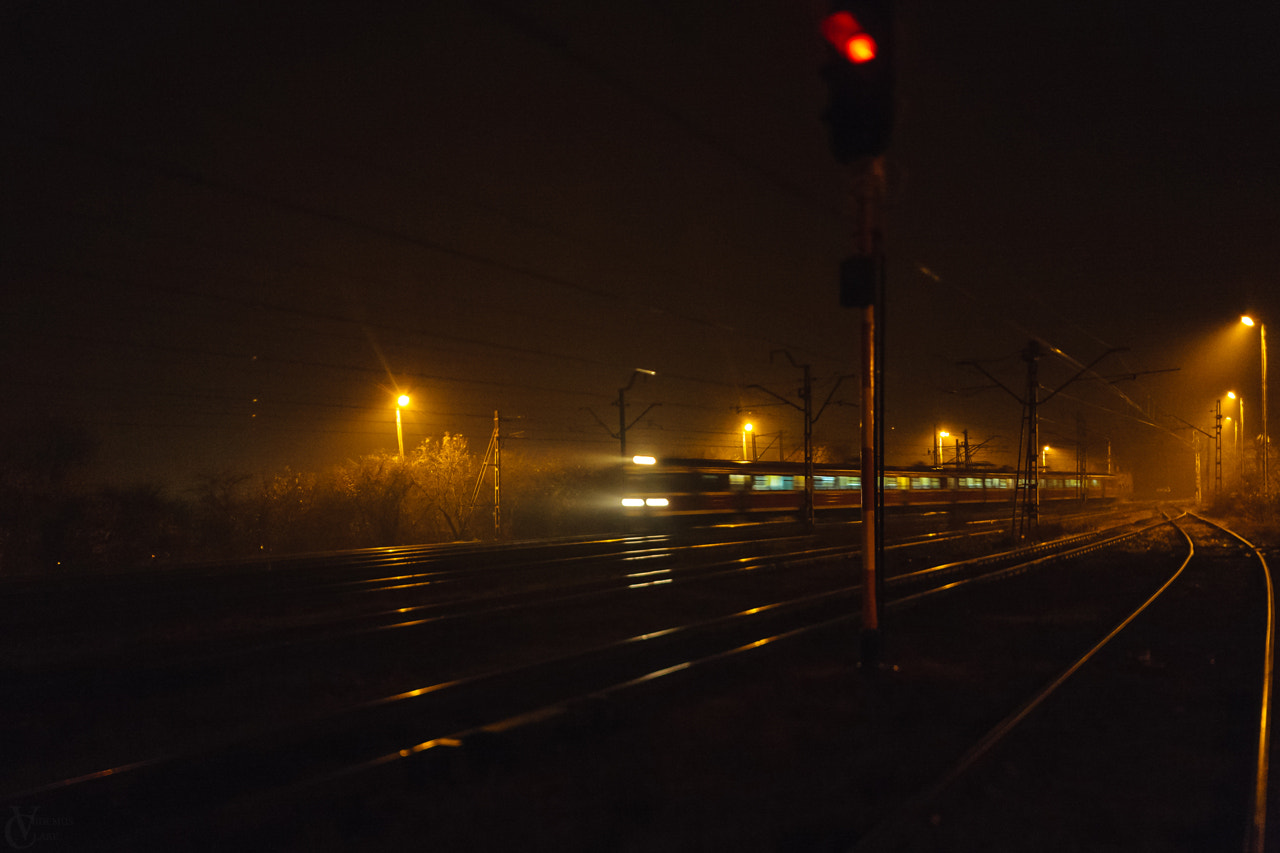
point(859, 75)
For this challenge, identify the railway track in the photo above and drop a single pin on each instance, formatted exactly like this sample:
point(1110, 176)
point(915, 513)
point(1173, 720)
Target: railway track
point(415, 727)
point(1157, 737)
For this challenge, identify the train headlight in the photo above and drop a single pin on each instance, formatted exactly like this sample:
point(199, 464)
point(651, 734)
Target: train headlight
point(633, 501)
point(655, 501)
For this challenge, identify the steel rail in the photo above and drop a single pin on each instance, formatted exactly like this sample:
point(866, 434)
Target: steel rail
point(915, 809)
point(909, 813)
point(1256, 837)
point(126, 770)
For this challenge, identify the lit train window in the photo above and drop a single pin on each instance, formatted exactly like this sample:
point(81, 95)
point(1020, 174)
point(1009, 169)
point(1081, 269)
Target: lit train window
point(926, 483)
point(971, 483)
point(852, 483)
point(775, 482)
point(739, 482)
point(824, 484)
point(999, 483)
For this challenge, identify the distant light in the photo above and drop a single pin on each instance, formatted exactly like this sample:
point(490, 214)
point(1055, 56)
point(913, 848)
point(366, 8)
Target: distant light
point(646, 371)
point(403, 400)
point(747, 427)
point(1231, 395)
point(1247, 320)
point(944, 434)
point(655, 501)
point(644, 460)
point(633, 502)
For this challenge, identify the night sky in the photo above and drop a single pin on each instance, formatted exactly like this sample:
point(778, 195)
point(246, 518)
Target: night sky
point(234, 231)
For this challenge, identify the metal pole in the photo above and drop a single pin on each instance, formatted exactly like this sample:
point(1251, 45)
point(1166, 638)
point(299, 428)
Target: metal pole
point(399, 434)
point(1266, 484)
point(872, 190)
point(1217, 449)
point(497, 475)
point(622, 417)
point(1244, 441)
point(808, 448)
point(870, 608)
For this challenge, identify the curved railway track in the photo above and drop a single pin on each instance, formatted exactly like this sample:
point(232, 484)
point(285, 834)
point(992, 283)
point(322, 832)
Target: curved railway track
point(1171, 706)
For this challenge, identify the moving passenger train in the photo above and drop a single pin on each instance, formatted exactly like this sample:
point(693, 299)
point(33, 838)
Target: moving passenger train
point(677, 488)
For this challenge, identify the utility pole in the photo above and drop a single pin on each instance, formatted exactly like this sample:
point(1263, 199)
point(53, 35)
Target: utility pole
point(492, 459)
point(1217, 448)
point(1027, 486)
point(806, 411)
point(623, 426)
point(497, 475)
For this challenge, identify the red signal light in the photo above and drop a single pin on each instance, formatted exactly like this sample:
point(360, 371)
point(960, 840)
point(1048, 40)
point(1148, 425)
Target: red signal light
point(848, 37)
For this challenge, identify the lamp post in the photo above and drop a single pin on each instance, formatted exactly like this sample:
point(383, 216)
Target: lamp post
point(747, 431)
point(937, 448)
point(1232, 395)
point(1262, 329)
point(622, 407)
point(401, 402)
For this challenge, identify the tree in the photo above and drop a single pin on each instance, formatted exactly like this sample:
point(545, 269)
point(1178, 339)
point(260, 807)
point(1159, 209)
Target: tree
point(445, 473)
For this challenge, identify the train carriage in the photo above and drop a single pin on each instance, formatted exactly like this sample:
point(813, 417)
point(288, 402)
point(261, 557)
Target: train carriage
point(705, 488)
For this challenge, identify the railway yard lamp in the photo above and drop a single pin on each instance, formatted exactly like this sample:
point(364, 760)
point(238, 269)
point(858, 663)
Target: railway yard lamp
point(1266, 449)
point(401, 402)
point(1232, 395)
point(748, 433)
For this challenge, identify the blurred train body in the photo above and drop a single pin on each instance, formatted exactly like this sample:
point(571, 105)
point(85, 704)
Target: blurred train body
point(711, 489)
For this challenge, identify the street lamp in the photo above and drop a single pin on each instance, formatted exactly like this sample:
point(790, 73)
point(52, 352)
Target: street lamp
point(747, 431)
point(1262, 329)
point(1044, 458)
point(401, 402)
point(1239, 398)
point(937, 449)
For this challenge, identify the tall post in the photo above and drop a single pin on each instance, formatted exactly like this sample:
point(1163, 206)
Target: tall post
point(1266, 450)
point(1217, 448)
point(807, 394)
point(399, 434)
point(497, 475)
point(862, 281)
point(1030, 468)
point(622, 417)
point(1244, 441)
point(401, 402)
point(1241, 437)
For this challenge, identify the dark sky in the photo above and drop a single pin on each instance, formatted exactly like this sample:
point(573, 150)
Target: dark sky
point(233, 230)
